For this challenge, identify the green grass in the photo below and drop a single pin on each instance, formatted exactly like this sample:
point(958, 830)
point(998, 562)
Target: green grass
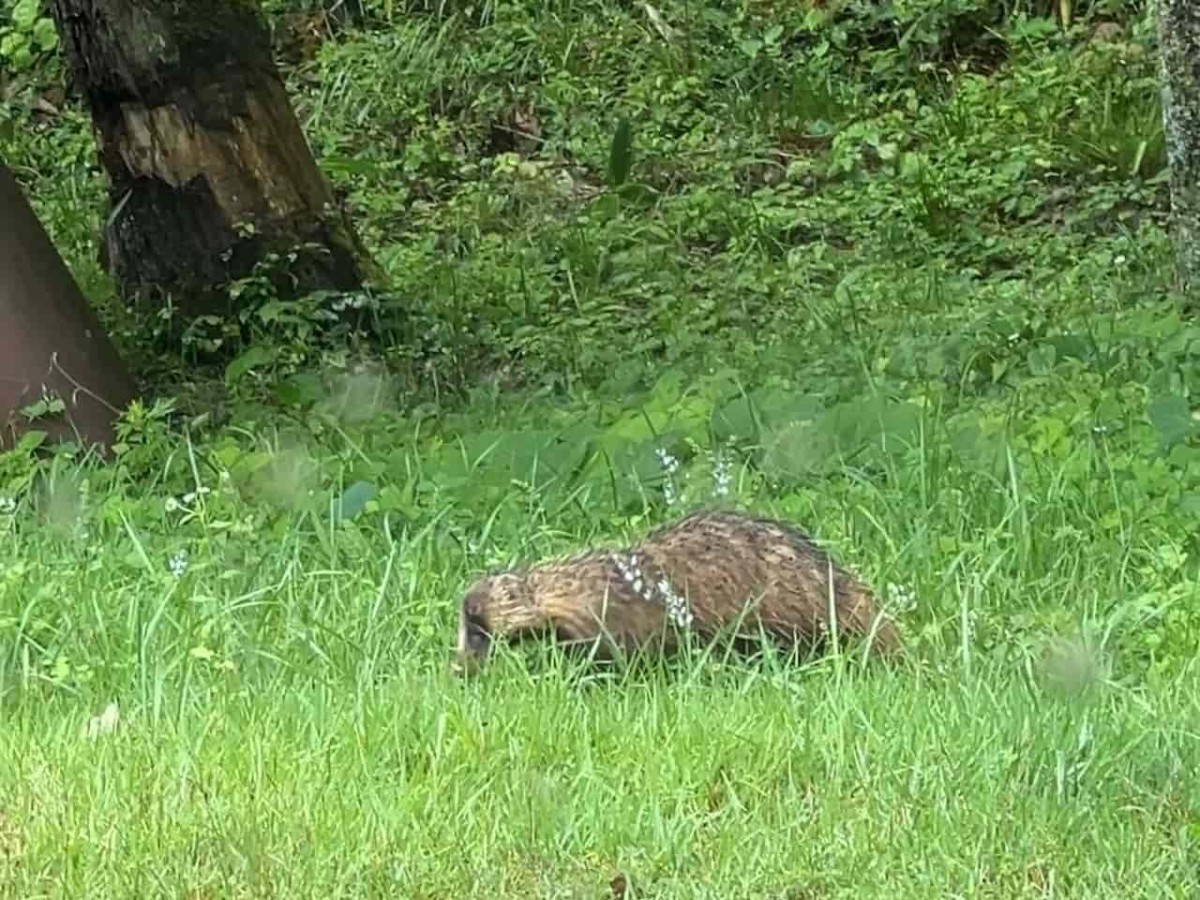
point(912, 292)
point(812, 785)
point(289, 726)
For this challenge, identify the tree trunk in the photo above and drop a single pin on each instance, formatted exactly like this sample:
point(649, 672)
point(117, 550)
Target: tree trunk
point(1179, 51)
point(51, 343)
point(209, 171)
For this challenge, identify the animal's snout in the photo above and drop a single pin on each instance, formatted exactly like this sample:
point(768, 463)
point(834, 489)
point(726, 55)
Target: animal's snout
point(473, 642)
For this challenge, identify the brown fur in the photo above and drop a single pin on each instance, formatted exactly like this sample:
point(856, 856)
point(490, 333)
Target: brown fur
point(732, 569)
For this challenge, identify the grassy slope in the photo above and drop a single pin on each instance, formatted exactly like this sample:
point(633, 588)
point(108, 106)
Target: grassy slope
point(919, 315)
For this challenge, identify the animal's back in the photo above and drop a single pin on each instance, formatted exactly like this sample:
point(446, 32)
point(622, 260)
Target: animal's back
point(703, 573)
point(732, 565)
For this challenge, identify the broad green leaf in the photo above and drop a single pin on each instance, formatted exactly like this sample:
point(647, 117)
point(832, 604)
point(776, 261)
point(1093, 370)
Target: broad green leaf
point(24, 14)
point(44, 35)
point(620, 156)
point(257, 355)
point(354, 500)
point(1171, 416)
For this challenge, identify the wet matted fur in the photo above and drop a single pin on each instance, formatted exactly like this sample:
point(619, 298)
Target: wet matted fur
point(707, 573)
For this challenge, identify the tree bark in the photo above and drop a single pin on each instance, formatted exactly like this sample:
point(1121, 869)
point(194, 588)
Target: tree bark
point(51, 343)
point(209, 171)
point(1179, 52)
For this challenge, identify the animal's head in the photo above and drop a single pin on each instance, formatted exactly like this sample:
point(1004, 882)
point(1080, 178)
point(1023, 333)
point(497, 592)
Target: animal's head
point(494, 606)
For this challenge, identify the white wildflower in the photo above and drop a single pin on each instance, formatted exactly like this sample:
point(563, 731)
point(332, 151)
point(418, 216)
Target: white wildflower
point(721, 477)
point(677, 606)
point(105, 723)
point(191, 497)
point(8, 506)
point(669, 463)
point(178, 564)
point(172, 504)
point(631, 571)
point(900, 596)
point(670, 466)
